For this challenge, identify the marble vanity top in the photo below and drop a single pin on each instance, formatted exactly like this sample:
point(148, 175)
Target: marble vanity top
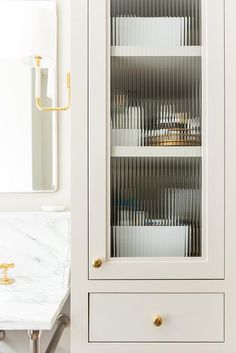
point(39, 245)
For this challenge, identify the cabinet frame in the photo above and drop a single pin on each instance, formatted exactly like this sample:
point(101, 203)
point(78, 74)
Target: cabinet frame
point(211, 264)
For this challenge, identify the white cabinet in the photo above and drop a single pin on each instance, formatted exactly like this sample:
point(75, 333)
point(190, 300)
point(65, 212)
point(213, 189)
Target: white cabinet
point(154, 133)
point(153, 176)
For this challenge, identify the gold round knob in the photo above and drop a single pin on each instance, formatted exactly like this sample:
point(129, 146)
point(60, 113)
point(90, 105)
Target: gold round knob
point(157, 320)
point(97, 263)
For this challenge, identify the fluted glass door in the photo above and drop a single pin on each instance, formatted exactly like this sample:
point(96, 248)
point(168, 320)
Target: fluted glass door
point(156, 124)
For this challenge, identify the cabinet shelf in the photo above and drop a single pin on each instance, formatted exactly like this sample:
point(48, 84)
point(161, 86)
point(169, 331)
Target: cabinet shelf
point(117, 51)
point(130, 151)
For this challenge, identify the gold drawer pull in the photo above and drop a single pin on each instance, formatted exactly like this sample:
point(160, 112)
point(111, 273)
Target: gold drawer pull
point(97, 263)
point(157, 321)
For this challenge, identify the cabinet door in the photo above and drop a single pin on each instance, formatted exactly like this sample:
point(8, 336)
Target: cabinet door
point(156, 139)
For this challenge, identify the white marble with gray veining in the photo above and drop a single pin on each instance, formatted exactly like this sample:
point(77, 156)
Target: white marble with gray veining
point(39, 245)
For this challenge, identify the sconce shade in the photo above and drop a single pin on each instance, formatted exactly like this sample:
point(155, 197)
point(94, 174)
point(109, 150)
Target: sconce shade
point(38, 36)
point(29, 29)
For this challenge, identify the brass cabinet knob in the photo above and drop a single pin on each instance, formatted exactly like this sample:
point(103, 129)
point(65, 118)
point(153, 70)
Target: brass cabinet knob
point(97, 263)
point(157, 320)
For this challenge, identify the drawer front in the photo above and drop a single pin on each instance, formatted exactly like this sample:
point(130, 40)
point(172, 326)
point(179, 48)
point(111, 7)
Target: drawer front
point(186, 317)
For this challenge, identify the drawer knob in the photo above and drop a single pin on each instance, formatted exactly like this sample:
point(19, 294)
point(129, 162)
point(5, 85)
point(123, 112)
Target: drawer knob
point(97, 263)
point(157, 321)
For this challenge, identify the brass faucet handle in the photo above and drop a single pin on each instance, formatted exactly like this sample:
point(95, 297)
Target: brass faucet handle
point(5, 279)
point(7, 266)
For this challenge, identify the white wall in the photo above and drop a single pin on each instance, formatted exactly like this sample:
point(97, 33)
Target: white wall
point(16, 342)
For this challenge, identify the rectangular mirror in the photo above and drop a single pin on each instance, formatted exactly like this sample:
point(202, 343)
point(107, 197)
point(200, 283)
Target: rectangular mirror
point(28, 137)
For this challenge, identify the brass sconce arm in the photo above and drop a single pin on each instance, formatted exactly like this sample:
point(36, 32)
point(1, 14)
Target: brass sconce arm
point(38, 101)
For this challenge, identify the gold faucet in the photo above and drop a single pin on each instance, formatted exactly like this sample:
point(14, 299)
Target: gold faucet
point(5, 279)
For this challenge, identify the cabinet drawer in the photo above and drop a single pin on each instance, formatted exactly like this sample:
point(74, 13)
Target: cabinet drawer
point(186, 317)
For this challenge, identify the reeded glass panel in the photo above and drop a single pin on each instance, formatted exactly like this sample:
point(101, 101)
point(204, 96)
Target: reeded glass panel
point(156, 128)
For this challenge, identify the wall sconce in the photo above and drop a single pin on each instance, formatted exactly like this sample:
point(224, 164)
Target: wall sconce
point(38, 90)
point(38, 47)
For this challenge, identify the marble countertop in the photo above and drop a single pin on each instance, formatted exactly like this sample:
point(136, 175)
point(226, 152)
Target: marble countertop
point(39, 245)
point(31, 304)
